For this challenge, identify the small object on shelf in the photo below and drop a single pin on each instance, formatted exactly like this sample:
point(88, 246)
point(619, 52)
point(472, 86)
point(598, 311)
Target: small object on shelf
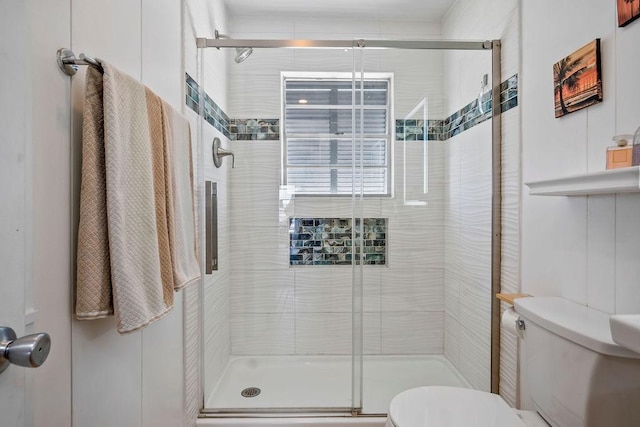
point(636, 148)
point(621, 155)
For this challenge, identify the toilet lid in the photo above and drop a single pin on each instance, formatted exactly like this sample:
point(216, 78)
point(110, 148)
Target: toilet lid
point(452, 407)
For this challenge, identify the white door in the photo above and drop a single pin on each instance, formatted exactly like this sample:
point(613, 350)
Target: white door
point(14, 218)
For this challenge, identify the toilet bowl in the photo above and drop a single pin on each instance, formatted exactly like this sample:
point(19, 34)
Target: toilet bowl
point(454, 407)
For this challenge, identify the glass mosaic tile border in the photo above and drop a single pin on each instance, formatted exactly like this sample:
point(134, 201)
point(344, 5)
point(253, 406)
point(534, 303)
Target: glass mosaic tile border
point(406, 130)
point(509, 93)
point(469, 116)
point(213, 114)
point(413, 130)
point(192, 94)
point(328, 241)
point(254, 129)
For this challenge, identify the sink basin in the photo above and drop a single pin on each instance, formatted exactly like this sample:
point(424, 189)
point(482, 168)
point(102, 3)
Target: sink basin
point(625, 330)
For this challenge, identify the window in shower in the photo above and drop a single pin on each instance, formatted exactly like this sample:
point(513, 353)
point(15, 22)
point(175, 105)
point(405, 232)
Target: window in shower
point(318, 127)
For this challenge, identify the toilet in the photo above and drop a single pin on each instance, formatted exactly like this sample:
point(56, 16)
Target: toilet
point(574, 375)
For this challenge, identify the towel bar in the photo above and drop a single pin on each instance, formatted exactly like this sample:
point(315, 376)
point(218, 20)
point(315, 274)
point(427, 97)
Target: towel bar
point(68, 62)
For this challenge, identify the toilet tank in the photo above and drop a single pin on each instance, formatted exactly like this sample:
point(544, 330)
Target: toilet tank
point(575, 374)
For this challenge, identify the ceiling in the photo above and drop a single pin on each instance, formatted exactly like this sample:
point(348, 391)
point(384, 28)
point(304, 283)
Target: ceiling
point(367, 9)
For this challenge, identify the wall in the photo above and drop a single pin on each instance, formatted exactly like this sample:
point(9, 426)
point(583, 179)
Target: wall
point(50, 249)
point(588, 244)
point(137, 379)
point(468, 196)
point(16, 224)
point(276, 309)
point(581, 248)
point(210, 71)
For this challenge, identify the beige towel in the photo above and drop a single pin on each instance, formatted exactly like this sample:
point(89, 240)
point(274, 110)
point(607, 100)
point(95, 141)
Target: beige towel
point(124, 245)
point(136, 214)
point(93, 290)
point(180, 198)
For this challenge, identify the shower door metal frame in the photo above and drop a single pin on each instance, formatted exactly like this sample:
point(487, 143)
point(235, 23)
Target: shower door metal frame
point(496, 221)
point(202, 42)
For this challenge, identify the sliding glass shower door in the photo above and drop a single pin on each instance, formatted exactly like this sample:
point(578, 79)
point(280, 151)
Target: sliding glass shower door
point(354, 232)
point(282, 323)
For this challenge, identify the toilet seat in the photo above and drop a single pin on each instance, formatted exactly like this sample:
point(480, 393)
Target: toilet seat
point(451, 407)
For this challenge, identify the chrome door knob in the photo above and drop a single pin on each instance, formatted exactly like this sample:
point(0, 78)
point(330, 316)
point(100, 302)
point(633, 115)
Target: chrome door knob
point(29, 351)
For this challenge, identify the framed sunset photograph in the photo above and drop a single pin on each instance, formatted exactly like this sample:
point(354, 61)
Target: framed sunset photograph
point(577, 80)
point(628, 10)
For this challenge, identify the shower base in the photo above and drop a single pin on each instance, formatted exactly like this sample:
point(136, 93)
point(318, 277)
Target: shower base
point(324, 382)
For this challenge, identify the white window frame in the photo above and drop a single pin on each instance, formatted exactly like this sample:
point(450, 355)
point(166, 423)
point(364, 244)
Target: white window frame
point(389, 137)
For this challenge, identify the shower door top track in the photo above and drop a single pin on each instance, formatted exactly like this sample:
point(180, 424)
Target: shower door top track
point(343, 44)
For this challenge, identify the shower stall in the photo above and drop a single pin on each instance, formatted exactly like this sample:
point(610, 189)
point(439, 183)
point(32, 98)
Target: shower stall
point(357, 231)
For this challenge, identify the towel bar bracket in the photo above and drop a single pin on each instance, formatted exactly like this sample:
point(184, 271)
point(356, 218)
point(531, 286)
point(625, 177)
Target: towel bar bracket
point(68, 62)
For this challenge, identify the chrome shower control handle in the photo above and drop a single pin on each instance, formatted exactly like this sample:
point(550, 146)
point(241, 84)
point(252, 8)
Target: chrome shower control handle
point(219, 153)
point(29, 351)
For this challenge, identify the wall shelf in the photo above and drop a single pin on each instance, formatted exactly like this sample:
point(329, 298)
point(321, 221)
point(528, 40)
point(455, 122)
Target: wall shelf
point(624, 180)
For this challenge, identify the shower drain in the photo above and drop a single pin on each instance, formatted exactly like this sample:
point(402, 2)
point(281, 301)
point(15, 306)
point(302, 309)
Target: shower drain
point(250, 392)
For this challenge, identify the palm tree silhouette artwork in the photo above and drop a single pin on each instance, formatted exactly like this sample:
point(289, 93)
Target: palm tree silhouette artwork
point(630, 3)
point(626, 12)
point(564, 75)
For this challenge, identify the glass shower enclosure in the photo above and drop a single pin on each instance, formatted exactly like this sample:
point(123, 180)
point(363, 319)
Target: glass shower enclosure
point(342, 276)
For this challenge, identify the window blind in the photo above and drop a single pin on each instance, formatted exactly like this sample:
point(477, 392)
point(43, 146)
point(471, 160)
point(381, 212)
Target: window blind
point(318, 136)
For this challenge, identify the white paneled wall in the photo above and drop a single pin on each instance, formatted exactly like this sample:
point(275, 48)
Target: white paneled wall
point(137, 379)
point(108, 383)
point(581, 248)
point(49, 177)
point(16, 225)
point(592, 261)
point(468, 196)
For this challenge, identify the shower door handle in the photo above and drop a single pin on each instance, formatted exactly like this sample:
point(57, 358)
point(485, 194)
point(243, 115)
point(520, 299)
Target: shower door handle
point(211, 227)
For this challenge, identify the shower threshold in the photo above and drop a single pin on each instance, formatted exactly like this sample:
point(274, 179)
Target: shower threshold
point(322, 384)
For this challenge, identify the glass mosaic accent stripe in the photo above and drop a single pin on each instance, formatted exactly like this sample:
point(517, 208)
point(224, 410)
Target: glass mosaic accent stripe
point(469, 116)
point(413, 130)
point(406, 130)
point(328, 241)
point(213, 114)
point(254, 129)
point(509, 93)
point(192, 94)
point(463, 119)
